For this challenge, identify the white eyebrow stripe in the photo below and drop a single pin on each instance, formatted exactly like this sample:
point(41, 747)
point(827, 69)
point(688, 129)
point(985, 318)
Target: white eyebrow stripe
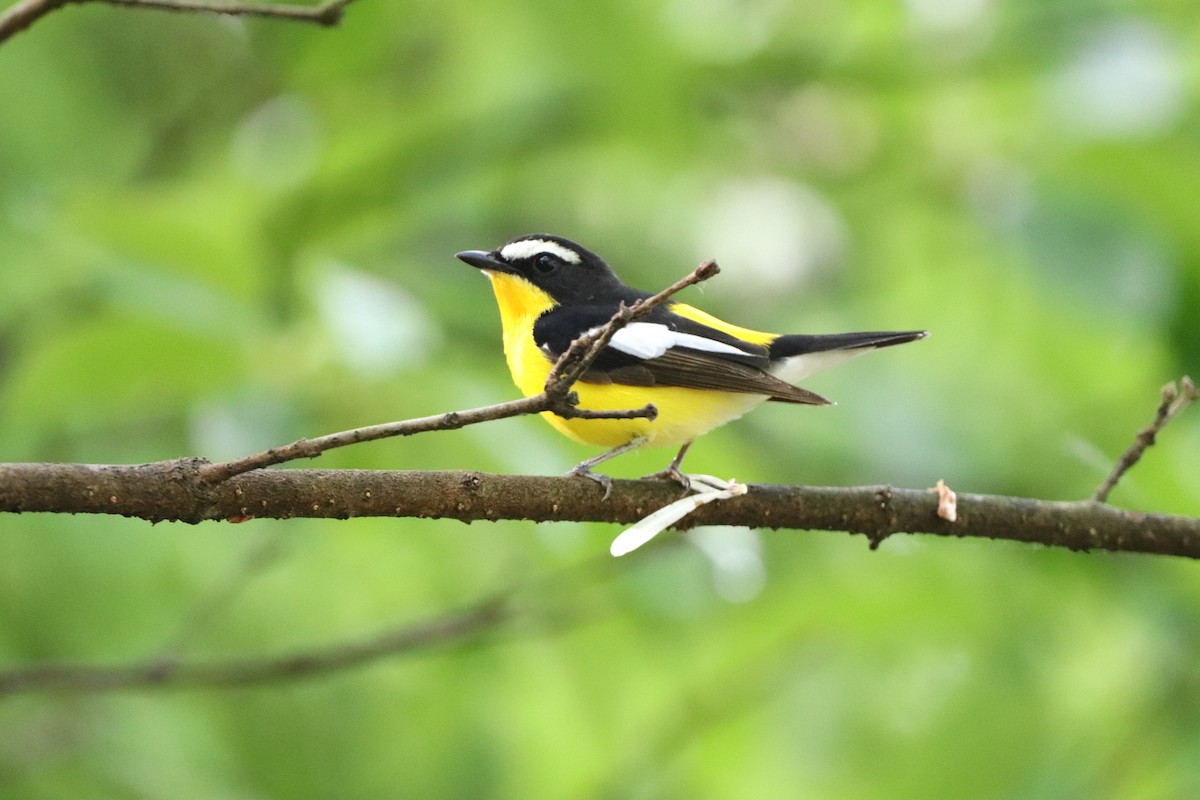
point(527, 248)
point(648, 340)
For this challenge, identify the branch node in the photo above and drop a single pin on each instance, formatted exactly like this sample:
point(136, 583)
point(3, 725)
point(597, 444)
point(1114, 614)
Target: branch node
point(883, 496)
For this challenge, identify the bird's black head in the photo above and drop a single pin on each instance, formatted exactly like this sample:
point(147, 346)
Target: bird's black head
point(562, 269)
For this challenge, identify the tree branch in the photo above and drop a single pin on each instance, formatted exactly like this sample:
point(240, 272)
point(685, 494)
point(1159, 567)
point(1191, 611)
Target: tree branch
point(556, 398)
point(1174, 399)
point(177, 673)
point(176, 490)
point(21, 15)
point(181, 490)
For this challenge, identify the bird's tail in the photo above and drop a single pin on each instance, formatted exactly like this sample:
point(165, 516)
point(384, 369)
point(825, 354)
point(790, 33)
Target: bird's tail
point(795, 357)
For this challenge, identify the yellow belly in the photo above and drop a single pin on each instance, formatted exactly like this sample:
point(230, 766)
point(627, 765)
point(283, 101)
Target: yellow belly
point(683, 414)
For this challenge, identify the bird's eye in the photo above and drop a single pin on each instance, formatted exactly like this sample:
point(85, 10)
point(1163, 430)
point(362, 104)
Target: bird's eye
point(545, 263)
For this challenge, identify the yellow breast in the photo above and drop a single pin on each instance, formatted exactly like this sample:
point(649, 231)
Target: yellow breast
point(683, 414)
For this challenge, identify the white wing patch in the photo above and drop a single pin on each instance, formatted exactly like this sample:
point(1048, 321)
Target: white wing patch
point(528, 248)
point(647, 340)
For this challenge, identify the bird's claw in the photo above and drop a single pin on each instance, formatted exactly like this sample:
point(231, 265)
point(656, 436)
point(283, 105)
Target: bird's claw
point(671, 473)
point(582, 471)
point(692, 483)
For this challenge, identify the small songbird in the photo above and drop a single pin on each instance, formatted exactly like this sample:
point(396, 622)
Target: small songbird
point(699, 372)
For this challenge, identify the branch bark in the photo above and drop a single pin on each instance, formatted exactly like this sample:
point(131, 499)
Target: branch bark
point(177, 491)
point(21, 15)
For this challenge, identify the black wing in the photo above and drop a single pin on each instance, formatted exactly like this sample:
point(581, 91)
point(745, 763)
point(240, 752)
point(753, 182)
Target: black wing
point(688, 367)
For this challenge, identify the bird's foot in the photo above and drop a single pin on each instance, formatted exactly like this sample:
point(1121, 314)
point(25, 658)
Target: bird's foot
point(671, 473)
point(584, 468)
point(693, 482)
point(585, 471)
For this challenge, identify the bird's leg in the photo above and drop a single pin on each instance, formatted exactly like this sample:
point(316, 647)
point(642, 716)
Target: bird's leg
point(584, 468)
point(672, 473)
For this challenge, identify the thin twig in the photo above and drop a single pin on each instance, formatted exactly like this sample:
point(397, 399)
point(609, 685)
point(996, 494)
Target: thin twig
point(21, 15)
point(327, 14)
point(584, 350)
point(163, 672)
point(537, 604)
point(1174, 400)
point(557, 397)
point(311, 448)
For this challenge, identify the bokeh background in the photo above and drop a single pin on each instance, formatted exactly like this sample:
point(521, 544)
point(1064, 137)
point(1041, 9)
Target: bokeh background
point(217, 235)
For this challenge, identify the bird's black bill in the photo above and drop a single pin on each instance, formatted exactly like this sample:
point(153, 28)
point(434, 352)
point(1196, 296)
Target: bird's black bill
point(482, 260)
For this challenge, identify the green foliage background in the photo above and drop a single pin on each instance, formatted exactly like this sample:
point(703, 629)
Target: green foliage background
point(217, 235)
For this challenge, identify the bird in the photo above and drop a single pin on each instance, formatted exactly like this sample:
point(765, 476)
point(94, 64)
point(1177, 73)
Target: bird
point(699, 372)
